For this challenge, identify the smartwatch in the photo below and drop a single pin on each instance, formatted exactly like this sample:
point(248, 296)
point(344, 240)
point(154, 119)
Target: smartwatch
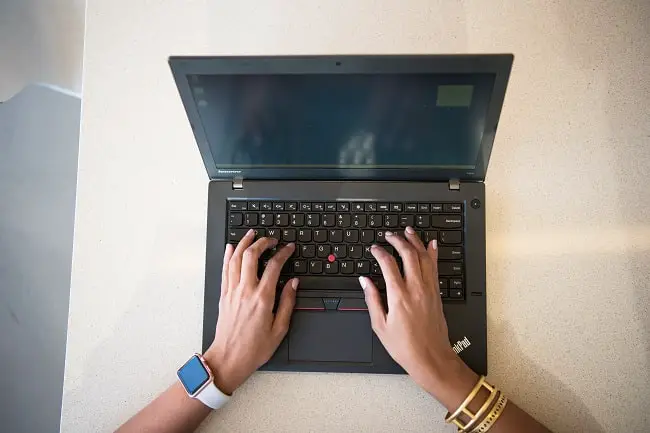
point(197, 379)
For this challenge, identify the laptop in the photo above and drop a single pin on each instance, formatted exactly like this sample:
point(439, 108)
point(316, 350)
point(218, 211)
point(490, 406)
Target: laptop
point(329, 152)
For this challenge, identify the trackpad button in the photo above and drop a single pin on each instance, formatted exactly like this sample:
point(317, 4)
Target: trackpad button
point(330, 337)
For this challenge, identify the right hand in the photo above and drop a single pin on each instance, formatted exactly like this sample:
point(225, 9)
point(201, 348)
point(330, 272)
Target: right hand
point(414, 330)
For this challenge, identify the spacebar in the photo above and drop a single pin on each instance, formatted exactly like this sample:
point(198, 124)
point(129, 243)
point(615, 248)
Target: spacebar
point(328, 283)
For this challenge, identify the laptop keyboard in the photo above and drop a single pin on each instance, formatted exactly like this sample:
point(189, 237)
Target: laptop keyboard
point(333, 239)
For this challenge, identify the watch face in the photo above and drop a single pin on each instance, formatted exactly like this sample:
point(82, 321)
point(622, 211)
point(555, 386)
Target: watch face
point(193, 375)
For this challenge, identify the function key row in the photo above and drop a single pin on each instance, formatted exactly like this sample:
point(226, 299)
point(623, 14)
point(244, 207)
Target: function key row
point(345, 206)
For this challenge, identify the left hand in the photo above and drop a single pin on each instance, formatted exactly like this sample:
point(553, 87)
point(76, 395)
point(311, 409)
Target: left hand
point(248, 333)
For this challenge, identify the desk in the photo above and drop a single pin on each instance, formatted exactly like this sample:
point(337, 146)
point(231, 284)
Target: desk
point(568, 219)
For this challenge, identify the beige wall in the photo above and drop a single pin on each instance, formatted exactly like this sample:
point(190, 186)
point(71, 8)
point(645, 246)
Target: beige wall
point(41, 41)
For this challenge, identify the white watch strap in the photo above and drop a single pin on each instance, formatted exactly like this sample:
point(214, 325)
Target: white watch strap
point(212, 397)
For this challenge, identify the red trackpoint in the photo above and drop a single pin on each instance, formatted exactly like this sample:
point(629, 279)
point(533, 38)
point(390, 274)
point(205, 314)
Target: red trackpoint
point(331, 258)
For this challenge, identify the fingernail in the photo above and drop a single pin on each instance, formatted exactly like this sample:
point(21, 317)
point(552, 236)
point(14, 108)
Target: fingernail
point(250, 232)
point(373, 247)
point(410, 230)
point(290, 245)
point(434, 244)
point(294, 284)
point(388, 233)
point(362, 281)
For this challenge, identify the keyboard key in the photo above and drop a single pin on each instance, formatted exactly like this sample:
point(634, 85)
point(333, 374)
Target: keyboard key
point(429, 236)
point(237, 205)
point(330, 207)
point(406, 220)
point(282, 219)
point(383, 207)
point(331, 267)
point(323, 251)
point(289, 235)
point(259, 233)
point(336, 235)
point(355, 251)
point(451, 237)
point(363, 267)
point(308, 251)
point(443, 283)
point(375, 269)
point(357, 207)
point(423, 207)
point(273, 233)
point(266, 219)
point(297, 219)
point(351, 236)
point(371, 207)
point(318, 207)
point(312, 304)
point(315, 266)
point(380, 236)
point(305, 207)
point(444, 293)
point(266, 206)
point(253, 205)
point(347, 267)
point(422, 221)
point(236, 235)
point(411, 207)
point(291, 206)
point(367, 253)
point(304, 235)
point(329, 220)
point(340, 251)
point(396, 207)
point(455, 283)
point(352, 304)
point(446, 221)
point(299, 266)
point(455, 293)
point(313, 219)
point(359, 221)
point(236, 219)
point(436, 208)
point(390, 220)
point(343, 220)
point(250, 219)
point(450, 268)
point(367, 236)
point(278, 206)
point(320, 236)
point(453, 207)
point(343, 207)
point(375, 220)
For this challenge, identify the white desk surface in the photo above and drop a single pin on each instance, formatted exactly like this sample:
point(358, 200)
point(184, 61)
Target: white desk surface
point(568, 210)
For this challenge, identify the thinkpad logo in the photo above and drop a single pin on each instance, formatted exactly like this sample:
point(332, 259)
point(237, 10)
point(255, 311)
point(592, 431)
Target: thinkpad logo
point(461, 345)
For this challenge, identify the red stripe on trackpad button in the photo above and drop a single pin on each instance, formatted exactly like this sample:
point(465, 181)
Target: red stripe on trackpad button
point(352, 304)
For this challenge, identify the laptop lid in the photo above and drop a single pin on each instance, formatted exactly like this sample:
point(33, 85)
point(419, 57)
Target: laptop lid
point(423, 117)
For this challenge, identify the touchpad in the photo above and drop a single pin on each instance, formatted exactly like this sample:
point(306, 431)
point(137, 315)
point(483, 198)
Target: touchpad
point(330, 336)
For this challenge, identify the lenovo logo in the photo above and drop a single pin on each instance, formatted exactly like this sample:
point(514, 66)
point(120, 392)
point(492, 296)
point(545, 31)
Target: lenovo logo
point(228, 171)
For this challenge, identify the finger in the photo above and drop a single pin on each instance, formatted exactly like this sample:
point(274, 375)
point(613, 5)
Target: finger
point(426, 266)
point(432, 253)
point(389, 270)
point(285, 308)
point(409, 255)
point(252, 256)
point(274, 267)
point(375, 306)
point(224, 270)
point(234, 267)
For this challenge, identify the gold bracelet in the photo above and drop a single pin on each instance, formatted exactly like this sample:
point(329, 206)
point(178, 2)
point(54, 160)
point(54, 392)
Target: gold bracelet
point(474, 417)
point(493, 416)
point(462, 408)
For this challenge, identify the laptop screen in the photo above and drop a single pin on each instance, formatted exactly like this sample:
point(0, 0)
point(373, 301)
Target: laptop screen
point(419, 120)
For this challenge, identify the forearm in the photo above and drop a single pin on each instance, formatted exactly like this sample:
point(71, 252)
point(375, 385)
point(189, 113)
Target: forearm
point(172, 412)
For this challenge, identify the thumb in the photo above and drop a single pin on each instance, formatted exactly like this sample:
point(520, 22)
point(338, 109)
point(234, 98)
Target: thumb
point(285, 309)
point(375, 306)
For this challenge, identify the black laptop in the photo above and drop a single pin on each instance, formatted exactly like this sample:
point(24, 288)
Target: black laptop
point(329, 152)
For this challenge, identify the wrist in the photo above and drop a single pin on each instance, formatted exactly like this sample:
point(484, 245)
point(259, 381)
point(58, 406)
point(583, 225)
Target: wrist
point(225, 376)
point(449, 380)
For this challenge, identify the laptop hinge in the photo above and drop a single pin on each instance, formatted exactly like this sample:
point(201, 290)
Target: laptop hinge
point(238, 182)
point(454, 184)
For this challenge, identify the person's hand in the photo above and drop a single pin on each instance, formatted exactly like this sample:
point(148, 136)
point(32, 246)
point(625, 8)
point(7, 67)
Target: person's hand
point(414, 330)
point(247, 331)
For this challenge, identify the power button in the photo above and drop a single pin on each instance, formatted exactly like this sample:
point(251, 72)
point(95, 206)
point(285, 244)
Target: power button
point(476, 203)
